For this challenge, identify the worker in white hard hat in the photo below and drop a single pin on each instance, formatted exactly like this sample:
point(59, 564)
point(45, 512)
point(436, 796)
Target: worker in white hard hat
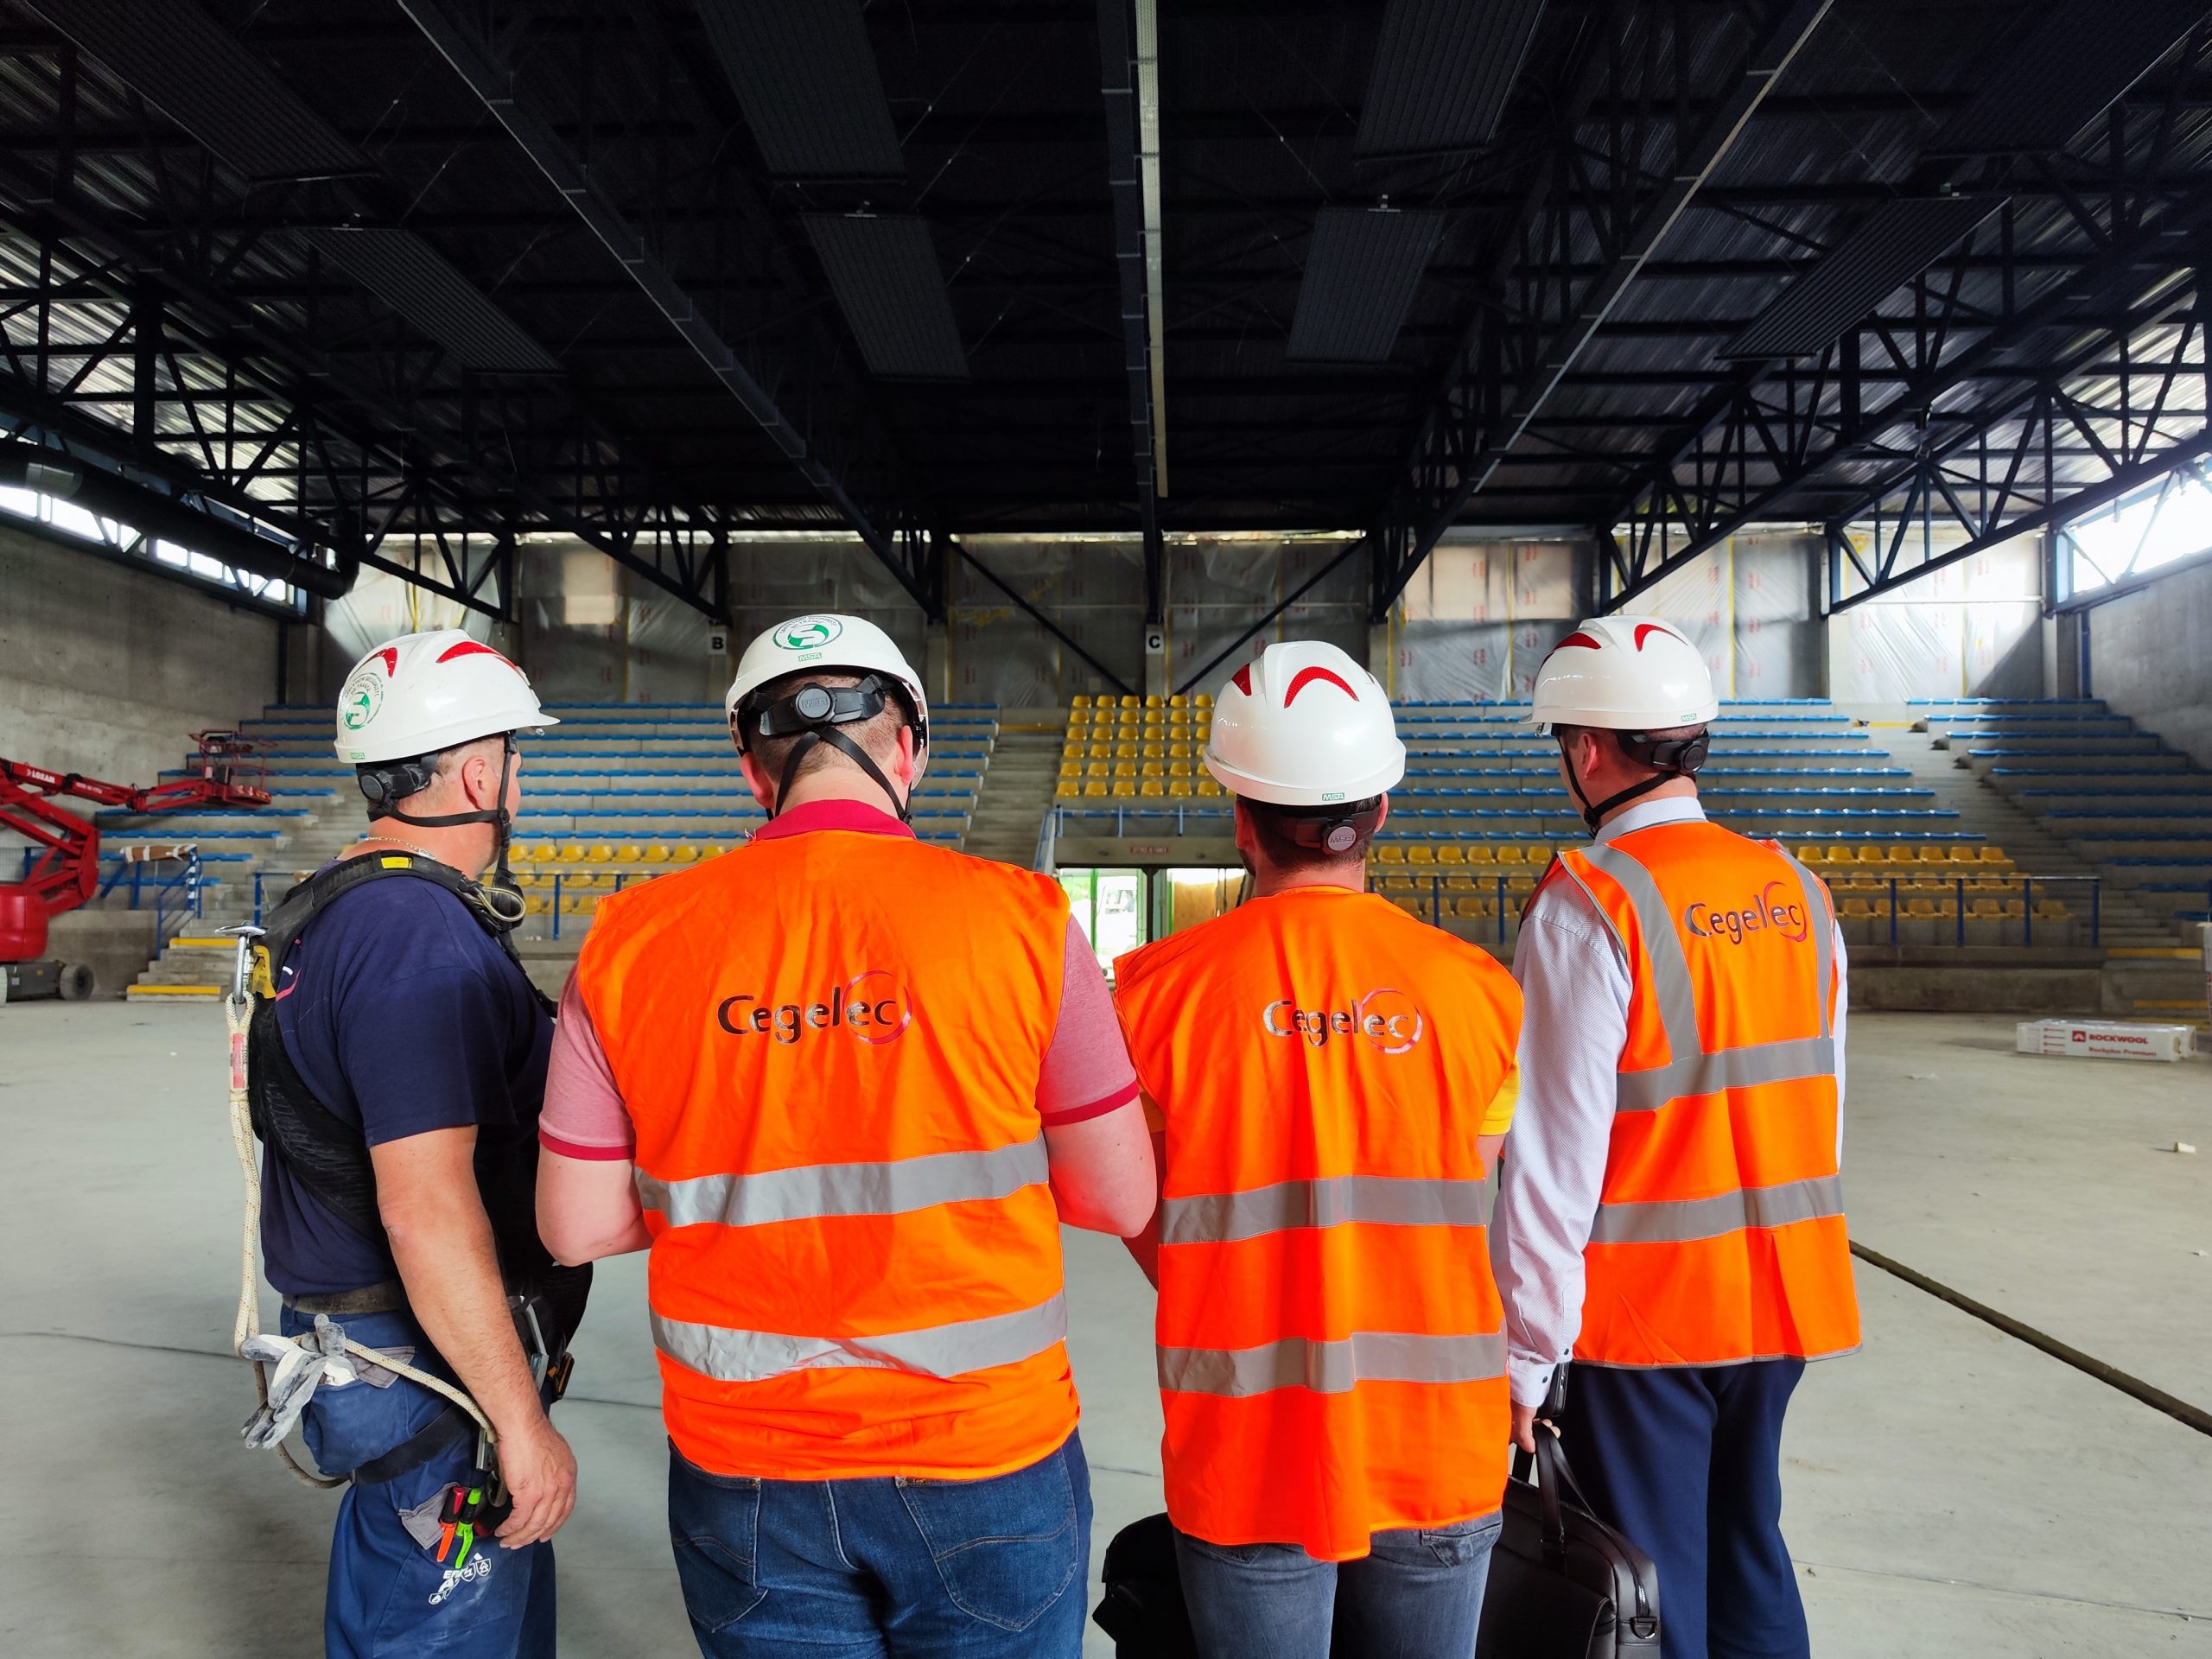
point(846, 1086)
point(397, 1057)
point(1671, 1216)
point(1330, 1079)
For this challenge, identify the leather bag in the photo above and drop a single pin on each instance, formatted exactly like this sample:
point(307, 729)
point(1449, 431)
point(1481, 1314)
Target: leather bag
point(1563, 1584)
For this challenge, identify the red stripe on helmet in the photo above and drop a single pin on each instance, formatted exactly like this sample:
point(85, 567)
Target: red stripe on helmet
point(1579, 637)
point(1306, 676)
point(1643, 629)
point(1241, 679)
point(391, 655)
point(471, 648)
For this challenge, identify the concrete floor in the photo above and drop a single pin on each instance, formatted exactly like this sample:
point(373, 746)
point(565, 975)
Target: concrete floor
point(1952, 1492)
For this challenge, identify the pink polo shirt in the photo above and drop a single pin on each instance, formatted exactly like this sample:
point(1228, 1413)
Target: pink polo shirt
point(1087, 1071)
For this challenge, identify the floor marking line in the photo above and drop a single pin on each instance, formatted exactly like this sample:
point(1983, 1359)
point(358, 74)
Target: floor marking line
point(2182, 1613)
point(2112, 1377)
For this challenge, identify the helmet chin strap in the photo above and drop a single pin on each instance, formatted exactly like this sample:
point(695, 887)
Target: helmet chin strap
point(1594, 815)
point(501, 895)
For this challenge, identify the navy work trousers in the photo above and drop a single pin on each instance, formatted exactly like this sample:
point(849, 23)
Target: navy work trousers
point(388, 1595)
point(1688, 1462)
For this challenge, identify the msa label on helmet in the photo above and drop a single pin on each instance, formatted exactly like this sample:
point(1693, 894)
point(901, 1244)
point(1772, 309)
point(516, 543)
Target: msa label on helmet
point(809, 633)
point(358, 702)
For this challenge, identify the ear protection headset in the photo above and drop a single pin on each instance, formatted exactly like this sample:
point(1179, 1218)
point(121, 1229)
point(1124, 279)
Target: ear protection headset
point(1335, 830)
point(813, 713)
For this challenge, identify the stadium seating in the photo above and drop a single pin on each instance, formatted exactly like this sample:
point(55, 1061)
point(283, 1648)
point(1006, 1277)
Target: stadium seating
point(2120, 799)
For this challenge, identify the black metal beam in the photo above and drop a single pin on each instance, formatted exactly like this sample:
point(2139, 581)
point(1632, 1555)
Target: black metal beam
point(1524, 337)
point(1040, 619)
point(484, 70)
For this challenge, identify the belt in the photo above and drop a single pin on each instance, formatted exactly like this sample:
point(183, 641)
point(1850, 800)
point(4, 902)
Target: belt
point(390, 1297)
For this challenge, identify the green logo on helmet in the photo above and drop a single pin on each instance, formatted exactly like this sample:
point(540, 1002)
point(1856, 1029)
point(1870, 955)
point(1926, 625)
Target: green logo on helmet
point(809, 633)
point(358, 702)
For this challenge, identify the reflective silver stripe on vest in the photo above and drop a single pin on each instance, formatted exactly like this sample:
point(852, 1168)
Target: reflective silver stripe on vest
point(1678, 1221)
point(1333, 1367)
point(816, 1190)
point(734, 1355)
point(1380, 1200)
point(1693, 1071)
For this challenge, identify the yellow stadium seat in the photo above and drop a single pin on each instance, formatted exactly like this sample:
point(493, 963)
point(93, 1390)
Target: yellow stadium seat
point(1480, 853)
point(1070, 768)
point(1179, 701)
point(1179, 751)
point(1934, 856)
point(1152, 786)
point(1985, 910)
point(656, 853)
point(1421, 852)
point(1155, 716)
point(1130, 700)
point(1995, 855)
point(1152, 769)
point(1902, 855)
point(1125, 750)
point(1155, 701)
point(1098, 769)
point(540, 854)
point(1153, 751)
point(1838, 853)
point(1070, 788)
point(2050, 909)
point(1125, 768)
point(1451, 853)
point(1508, 854)
point(1078, 700)
point(628, 853)
point(1204, 700)
point(1870, 854)
point(1858, 910)
point(1094, 790)
point(1468, 909)
point(572, 853)
point(1207, 786)
point(1101, 751)
point(1179, 787)
point(1389, 852)
point(1962, 854)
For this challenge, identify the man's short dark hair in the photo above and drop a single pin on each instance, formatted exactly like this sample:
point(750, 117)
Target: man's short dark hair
point(879, 735)
point(1662, 734)
point(1275, 828)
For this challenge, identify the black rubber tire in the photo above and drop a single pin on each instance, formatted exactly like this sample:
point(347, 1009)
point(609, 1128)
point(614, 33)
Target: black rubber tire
point(78, 982)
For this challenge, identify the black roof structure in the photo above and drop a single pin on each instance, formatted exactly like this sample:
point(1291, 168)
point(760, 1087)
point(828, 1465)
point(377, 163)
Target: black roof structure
point(393, 281)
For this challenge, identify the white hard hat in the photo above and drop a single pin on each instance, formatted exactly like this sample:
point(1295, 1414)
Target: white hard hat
point(423, 692)
point(1625, 673)
point(848, 644)
point(1303, 725)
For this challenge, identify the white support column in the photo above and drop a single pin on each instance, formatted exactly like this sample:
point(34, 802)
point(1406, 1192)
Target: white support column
point(1156, 679)
point(936, 661)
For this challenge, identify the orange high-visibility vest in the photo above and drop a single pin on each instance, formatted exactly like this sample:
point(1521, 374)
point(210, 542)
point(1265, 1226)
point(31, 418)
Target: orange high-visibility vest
point(829, 1045)
point(1331, 1362)
point(1719, 1233)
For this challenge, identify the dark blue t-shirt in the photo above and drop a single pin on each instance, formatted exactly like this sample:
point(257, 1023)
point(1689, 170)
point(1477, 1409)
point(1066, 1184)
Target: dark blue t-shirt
point(403, 1015)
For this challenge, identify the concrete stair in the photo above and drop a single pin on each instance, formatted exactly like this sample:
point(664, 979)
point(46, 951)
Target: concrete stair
point(1018, 788)
point(2124, 922)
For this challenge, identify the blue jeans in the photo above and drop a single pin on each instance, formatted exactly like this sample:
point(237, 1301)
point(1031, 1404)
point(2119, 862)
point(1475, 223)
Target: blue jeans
point(1417, 1594)
point(922, 1569)
point(388, 1596)
point(1688, 1463)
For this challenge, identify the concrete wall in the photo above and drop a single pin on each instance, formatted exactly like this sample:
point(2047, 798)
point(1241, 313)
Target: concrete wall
point(103, 669)
point(2151, 657)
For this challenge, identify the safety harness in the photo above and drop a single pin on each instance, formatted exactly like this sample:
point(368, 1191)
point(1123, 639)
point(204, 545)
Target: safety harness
point(1673, 757)
point(271, 1101)
point(813, 713)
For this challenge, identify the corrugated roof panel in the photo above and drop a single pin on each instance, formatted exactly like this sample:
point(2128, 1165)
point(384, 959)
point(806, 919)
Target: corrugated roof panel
point(2065, 74)
point(885, 274)
point(205, 79)
point(807, 78)
point(1900, 240)
point(414, 279)
point(1361, 267)
point(1442, 71)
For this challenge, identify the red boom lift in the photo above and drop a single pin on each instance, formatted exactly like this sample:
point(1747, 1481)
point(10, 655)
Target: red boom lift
point(66, 873)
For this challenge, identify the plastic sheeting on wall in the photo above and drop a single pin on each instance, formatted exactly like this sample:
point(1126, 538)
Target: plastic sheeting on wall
point(1218, 585)
point(1088, 585)
point(1970, 629)
point(1479, 617)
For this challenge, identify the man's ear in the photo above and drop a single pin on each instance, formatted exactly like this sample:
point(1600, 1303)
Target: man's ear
point(480, 779)
point(757, 780)
point(1382, 816)
point(1248, 840)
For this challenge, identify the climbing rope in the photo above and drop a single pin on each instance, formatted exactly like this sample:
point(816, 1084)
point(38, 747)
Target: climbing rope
point(238, 1014)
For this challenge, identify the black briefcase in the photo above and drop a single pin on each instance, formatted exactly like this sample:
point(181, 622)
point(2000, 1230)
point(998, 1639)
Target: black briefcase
point(1563, 1584)
point(1143, 1609)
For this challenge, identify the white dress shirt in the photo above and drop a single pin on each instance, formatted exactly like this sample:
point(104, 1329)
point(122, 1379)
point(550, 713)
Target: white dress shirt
point(1574, 983)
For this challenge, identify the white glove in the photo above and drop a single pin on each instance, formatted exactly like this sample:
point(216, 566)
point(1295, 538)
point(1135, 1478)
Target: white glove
point(301, 1366)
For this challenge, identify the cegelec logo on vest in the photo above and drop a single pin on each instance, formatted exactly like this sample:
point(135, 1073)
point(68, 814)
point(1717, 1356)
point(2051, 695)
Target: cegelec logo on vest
point(1787, 916)
point(1388, 1020)
point(872, 1008)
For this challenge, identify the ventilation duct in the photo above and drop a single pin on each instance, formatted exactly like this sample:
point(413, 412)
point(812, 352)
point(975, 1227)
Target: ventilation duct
point(414, 279)
point(1443, 69)
point(200, 75)
point(1361, 267)
point(884, 273)
point(1900, 241)
point(805, 76)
